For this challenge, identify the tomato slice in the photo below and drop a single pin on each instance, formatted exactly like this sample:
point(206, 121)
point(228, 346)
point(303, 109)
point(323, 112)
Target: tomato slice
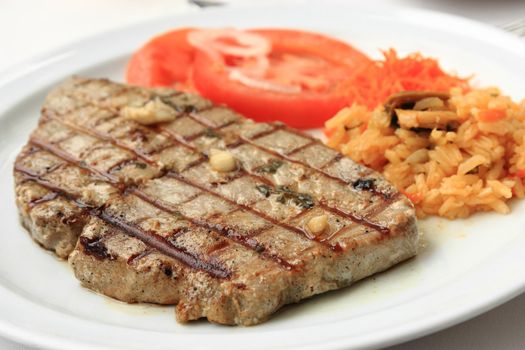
point(300, 83)
point(165, 60)
point(314, 62)
point(308, 43)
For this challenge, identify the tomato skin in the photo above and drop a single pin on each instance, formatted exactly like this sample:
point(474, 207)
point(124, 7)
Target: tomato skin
point(169, 60)
point(163, 61)
point(304, 110)
point(307, 109)
point(299, 41)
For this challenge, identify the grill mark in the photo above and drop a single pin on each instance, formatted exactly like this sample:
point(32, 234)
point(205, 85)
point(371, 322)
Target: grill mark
point(230, 178)
point(338, 157)
point(101, 136)
point(29, 151)
point(92, 149)
point(221, 245)
point(299, 149)
point(362, 220)
point(196, 163)
point(250, 233)
point(106, 119)
point(66, 157)
point(219, 228)
point(30, 175)
point(248, 243)
point(194, 114)
point(32, 150)
point(383, 196)
point(165, 247)
point(53, 168)
point(171, 94)
point(195, 136)
point(136, 257)
point(242, 206)
point(149, 239)
point(305, 135)
point(301, 213)
point(287, 157)
point(155, 202)
point(292, 160)
point(189, 199)
point(69, 136)
point(182, 141)
point(265, 133)
point(225, 125)
point(161, 149)
point(121, 91)
point(110, 178)
point(332, 161)
point(177, 233)
point(365, 222)
point(357, 219)
point(46, 198)
point(205, 108)
point(247, 233)
point(383, 205)
point(238, 142)
point(119, 165)
point(175, 137)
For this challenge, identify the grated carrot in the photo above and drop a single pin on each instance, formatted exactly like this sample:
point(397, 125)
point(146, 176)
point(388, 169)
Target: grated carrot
point(374, 83)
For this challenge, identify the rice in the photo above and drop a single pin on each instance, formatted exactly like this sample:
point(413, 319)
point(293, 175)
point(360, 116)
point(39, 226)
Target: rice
point(477, 164)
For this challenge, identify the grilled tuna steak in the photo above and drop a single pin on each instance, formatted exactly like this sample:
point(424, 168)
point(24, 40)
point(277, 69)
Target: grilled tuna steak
point(143, 217)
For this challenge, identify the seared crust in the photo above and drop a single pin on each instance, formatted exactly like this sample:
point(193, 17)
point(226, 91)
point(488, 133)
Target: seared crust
point(158, 224)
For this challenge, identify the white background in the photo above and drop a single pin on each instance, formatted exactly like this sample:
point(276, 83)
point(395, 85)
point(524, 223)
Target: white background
point(31, 27)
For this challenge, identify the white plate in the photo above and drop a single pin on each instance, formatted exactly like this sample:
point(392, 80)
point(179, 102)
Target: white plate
point(465, 267)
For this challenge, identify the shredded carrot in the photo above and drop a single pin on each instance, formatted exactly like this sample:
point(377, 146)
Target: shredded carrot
point(520, 173)
point(375, 82)
point(414, 197)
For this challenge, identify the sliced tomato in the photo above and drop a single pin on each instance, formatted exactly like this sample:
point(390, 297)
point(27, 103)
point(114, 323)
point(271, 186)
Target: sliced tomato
point(302, 110)
point(165, 60)
point(297, 82)
point(314, 44)
point(314, 63)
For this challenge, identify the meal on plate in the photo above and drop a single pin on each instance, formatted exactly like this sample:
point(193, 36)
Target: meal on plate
point(160, 196)
point(156, 194)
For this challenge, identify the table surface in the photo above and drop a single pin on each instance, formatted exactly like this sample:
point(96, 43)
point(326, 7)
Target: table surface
point(31, 27)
